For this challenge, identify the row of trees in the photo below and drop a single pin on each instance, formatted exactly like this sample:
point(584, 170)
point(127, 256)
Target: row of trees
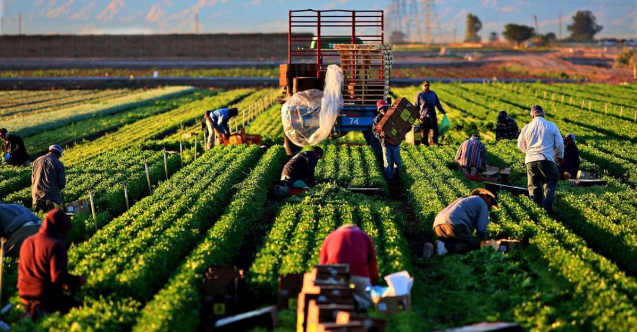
point(584, 27)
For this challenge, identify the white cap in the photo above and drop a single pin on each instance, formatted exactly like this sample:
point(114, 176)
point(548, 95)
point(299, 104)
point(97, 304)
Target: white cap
point(56, 148)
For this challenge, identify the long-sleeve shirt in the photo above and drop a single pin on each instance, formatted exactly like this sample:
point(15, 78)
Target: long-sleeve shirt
point(301, 167)
point(472, 212)
point(14, 216)
point(48, 179)
point(508, 130)
point(351, 245)
point(376, 133)
point(220, 119)
point(425, 102)
point(472, 153)
point(43, 268)
point(15, 147)
point(540, 140)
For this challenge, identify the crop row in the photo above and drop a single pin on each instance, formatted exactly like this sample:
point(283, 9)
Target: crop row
point(34, 124)
point(92, 128)
point(146, 244)
point(105, 177)
point(148, 128)
point(176, 305)
point(299, 229)
point(350, 166)
point(44, 105)
point(528, 286)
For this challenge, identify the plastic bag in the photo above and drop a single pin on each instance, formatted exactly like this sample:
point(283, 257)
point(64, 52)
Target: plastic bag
point(444, 126)
point(308, 116)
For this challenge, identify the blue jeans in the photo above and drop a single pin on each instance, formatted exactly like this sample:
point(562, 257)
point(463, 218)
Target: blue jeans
point(542, 174)
point(391, 158)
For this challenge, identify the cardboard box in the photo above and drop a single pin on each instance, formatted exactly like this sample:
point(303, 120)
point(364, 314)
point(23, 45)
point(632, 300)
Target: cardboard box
point(391, 305)
point(398, 120)
point(490, 172)
point(505, 245)
point(586, 175)
point(78, 207)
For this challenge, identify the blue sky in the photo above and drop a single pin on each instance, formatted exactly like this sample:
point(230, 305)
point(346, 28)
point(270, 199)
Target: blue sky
point(618, 17)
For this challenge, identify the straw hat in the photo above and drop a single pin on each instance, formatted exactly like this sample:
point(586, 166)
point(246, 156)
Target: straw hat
point(482, 191)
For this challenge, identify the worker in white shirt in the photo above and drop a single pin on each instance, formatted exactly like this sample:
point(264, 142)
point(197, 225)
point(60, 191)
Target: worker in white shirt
point(541, 141)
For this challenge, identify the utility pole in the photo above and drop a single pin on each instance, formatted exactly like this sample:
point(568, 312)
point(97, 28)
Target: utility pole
point(560, 22)
point(19, 23)
point(196, 23)
point(454, 35)
point(537, 28)
point(427, 23)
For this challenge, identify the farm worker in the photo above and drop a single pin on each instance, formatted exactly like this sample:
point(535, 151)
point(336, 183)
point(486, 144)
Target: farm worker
point(391, 150)
point(47, 179)
point(506, 128)
point(217, 124)
point(425, 101)
point(298, 172)
point(569, 167)
point(541, 141)
point(472, 156)
point(43, 270)
point(455, 224)
point(16, 224)
point(13, 150)
point(350, 245)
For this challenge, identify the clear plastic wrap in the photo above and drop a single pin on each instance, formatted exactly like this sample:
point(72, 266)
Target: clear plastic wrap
point(308, 116)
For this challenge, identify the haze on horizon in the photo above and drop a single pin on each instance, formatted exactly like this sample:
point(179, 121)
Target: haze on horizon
point(618, 17)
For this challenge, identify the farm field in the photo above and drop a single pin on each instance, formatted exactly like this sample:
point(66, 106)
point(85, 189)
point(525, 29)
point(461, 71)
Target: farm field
point(145, 263)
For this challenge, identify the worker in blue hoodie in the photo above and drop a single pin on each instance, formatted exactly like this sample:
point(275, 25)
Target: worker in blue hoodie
point(217, 124)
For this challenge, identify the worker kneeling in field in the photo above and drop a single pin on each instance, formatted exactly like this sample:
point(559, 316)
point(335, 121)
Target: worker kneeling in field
point(217, 124)
point(298, 172)
point(43, 276)
point(16, 224)
point(455, 224)
point(472, 156)
point(350, 245)
point(13, 150)
point(507, 127)
point(569, 167)
point(391, 150)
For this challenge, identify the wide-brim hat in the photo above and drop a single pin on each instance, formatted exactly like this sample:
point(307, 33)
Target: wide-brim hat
point(482, 191)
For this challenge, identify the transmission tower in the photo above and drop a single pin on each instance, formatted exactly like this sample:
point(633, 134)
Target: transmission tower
point(412, 17)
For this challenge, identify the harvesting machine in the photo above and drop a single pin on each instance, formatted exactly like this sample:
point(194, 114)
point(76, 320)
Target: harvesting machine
point(355, 41)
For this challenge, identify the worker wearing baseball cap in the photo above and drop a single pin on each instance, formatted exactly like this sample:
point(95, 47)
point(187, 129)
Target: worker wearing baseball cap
point(456, 223)
point(47, 180)
point(391, 150)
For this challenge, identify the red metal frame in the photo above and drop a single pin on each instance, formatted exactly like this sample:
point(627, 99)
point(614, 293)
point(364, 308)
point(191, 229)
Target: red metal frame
point(324, 22)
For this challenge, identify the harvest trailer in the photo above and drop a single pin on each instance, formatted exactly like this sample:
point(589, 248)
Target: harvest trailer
point(352, 39)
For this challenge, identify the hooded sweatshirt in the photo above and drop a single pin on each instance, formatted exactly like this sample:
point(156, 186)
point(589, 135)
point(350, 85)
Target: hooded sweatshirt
point(43, 265)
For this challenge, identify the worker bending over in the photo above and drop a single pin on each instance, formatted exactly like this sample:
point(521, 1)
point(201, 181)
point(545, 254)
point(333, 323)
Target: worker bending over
point(472, 156)
point(543, 145)
point(298, 172)
point(43, 275)
point(455, 224)
point(506, 128)
point(217, 124)
point(570, 166)
point(16, 224)
point(48, 178)
point(391, 150)
point(13, 150)
point(350, 245)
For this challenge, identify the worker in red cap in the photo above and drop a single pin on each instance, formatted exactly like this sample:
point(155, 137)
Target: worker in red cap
point(350, 245)
point(48, 178)
point(391, 150)
point(43, 276)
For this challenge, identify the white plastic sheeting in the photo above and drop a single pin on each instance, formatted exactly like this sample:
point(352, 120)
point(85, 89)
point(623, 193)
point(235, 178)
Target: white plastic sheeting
point(308, 116)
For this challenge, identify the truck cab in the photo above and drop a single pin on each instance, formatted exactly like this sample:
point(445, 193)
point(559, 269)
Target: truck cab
point(354, 41)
